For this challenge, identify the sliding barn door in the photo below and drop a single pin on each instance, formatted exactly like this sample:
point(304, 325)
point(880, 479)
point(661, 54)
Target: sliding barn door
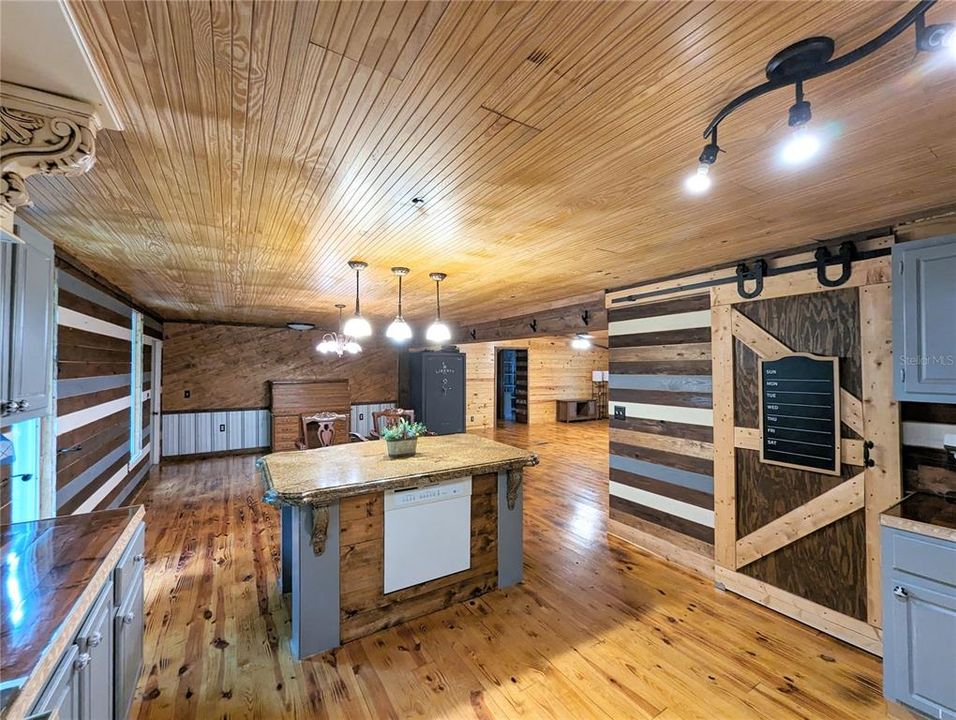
point(807, 543)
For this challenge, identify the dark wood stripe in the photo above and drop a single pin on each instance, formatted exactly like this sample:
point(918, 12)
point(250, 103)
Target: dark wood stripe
point(65, 406)
point(686, 431)
point(68, 370)
point(929, 413)
point(658, 517)
point(81, 305)
point(665, 307)
point(78, 435)
point(668, 490)
point(67, 336)
point(95, 448)
point(81, 497)
point(661, 337)
point(661, 457)
point(662, 367)
point(152, 332)
point(664, 397)
point(81, 353)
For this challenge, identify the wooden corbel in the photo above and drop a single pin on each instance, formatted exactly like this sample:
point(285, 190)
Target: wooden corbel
point(320, 528)
point(514, 485)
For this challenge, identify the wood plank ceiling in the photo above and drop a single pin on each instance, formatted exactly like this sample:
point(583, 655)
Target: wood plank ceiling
point(269, 142)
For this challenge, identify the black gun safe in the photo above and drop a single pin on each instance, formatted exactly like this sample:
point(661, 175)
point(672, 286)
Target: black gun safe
point(432, 383)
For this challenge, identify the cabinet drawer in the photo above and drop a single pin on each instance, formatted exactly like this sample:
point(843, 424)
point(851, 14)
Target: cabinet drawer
point(922, 556)
point(129, 566)
point(128, 649)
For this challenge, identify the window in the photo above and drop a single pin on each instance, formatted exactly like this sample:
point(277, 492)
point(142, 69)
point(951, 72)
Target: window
point(136, 389)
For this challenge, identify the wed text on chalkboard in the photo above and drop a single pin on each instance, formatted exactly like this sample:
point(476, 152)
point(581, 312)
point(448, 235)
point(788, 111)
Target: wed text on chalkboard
point(800, 412)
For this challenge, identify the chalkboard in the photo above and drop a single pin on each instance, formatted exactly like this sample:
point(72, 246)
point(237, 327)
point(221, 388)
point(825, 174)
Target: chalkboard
point(800, 412)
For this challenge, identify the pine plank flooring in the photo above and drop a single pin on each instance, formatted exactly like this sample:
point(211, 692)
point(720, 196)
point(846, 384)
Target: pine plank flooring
point(598, 629)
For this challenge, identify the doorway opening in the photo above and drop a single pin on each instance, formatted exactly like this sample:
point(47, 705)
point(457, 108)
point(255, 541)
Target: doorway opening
point(511, 391)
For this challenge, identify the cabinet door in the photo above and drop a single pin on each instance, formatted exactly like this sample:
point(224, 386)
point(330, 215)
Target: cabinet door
point(31, 340)
point(919, 652)
point(128, 653)
point(95, 662)
point(6, 318)
point(924, 305)
point(60, 698)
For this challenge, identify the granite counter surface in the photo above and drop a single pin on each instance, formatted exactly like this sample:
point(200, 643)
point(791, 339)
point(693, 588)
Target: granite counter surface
point(325, 475)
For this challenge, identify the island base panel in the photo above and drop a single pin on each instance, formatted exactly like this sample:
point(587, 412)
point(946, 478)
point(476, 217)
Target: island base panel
point(315, 584)
point(510, 529)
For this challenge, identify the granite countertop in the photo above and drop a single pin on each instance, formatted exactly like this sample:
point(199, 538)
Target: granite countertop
point(52, 572)
point(924, 513)
point(327, 474)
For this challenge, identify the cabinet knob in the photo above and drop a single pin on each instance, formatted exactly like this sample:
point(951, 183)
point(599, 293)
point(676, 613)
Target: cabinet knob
point(128, 618)
point(23, 405)
point(138, 557)
point(82, 660)
point(10, 407)
point(900, 592)
point(95, 639)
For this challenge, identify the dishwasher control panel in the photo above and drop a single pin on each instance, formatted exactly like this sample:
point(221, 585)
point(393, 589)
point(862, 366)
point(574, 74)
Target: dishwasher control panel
point(447, 490)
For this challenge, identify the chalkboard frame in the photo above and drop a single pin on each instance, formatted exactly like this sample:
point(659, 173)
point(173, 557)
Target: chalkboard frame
point(837, 435)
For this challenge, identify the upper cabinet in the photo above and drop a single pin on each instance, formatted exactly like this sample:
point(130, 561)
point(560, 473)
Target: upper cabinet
point(924, 320)
point(26, 327)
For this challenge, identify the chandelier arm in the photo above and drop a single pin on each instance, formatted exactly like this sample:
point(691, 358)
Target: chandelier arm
point(891, 33)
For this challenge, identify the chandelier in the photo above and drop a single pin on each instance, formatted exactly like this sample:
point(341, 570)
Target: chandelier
point(338, 342)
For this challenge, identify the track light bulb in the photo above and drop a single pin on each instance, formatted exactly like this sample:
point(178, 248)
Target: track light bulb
point(801, 147)
point(699, 182)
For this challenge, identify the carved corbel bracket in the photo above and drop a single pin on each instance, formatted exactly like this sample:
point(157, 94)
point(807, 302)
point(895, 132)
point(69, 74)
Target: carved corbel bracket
point(41, 134)
point(514, 485)
point(320, 528)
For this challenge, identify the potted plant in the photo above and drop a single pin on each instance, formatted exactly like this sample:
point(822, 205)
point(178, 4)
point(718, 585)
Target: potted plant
point(402, 437)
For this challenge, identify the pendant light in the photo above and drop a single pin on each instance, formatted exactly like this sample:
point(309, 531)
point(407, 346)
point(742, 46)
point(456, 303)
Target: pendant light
point(399, 331)
point(357, 326)
point(438, 331)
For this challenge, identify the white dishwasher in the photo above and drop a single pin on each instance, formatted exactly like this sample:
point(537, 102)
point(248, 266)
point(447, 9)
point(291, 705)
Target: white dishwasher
point(427, 532)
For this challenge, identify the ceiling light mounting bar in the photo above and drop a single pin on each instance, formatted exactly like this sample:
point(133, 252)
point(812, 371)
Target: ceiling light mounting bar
point(810, 58)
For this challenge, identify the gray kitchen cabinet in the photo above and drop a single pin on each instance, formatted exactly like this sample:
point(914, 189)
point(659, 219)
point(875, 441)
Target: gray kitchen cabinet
point(27, 327)
point(6, 319)
point(919, 622)
point(95, 661)
point(128, 648)
point(924, 320)
point(60, 698)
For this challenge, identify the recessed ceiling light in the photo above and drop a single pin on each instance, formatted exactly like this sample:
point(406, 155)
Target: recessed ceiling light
point(300, 326)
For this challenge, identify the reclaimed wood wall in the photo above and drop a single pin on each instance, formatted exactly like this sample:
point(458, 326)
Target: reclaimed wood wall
point(661, 453)
point(555, 371)
point(226, 367)
point(364, 606)
point(926, 465)
point(94, 468)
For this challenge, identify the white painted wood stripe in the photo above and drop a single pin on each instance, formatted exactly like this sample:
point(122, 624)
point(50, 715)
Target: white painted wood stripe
point(699, 515)
point(74, 420)
point(647, 411)
point(677, 321)
point(106, 488)
point(81, 321)
point(928, 435)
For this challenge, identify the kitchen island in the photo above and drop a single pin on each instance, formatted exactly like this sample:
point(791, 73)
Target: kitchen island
point(369, 541)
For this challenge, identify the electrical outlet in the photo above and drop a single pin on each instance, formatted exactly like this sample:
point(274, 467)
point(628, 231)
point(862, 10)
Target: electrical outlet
point(186, 394)
point(222, 428)
point(361, 416)
point(620, 412)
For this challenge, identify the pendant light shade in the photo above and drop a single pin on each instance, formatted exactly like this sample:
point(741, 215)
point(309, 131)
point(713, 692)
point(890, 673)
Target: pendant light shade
point(399, 330)
point(438, 331)
point(357, 326)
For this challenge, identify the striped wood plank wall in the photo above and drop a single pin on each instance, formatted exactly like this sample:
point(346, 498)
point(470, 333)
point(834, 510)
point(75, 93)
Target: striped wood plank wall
point(93, 468)
point(661, 453)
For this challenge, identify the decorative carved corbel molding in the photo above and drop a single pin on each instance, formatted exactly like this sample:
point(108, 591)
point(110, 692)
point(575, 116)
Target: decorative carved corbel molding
point(41, 134)
point(320, 528)
point(514, 485)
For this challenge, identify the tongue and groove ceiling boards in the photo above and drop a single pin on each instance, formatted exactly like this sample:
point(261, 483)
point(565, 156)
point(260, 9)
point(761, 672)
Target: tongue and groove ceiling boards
point(267, 143)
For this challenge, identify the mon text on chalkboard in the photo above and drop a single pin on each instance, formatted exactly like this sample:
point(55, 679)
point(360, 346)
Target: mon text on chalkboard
point(800, 412)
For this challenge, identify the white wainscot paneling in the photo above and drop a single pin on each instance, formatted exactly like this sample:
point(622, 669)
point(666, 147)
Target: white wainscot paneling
point(218, 431)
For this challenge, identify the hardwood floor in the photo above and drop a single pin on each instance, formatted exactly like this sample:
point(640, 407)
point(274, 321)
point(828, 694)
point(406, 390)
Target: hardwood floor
point(598, 629)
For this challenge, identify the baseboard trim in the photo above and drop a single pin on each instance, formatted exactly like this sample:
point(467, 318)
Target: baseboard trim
point(850, 630)
point(670, 551)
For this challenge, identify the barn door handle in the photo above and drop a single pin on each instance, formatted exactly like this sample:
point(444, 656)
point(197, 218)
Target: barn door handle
point(825, 259)
point(867, 460)
point(756, 273)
